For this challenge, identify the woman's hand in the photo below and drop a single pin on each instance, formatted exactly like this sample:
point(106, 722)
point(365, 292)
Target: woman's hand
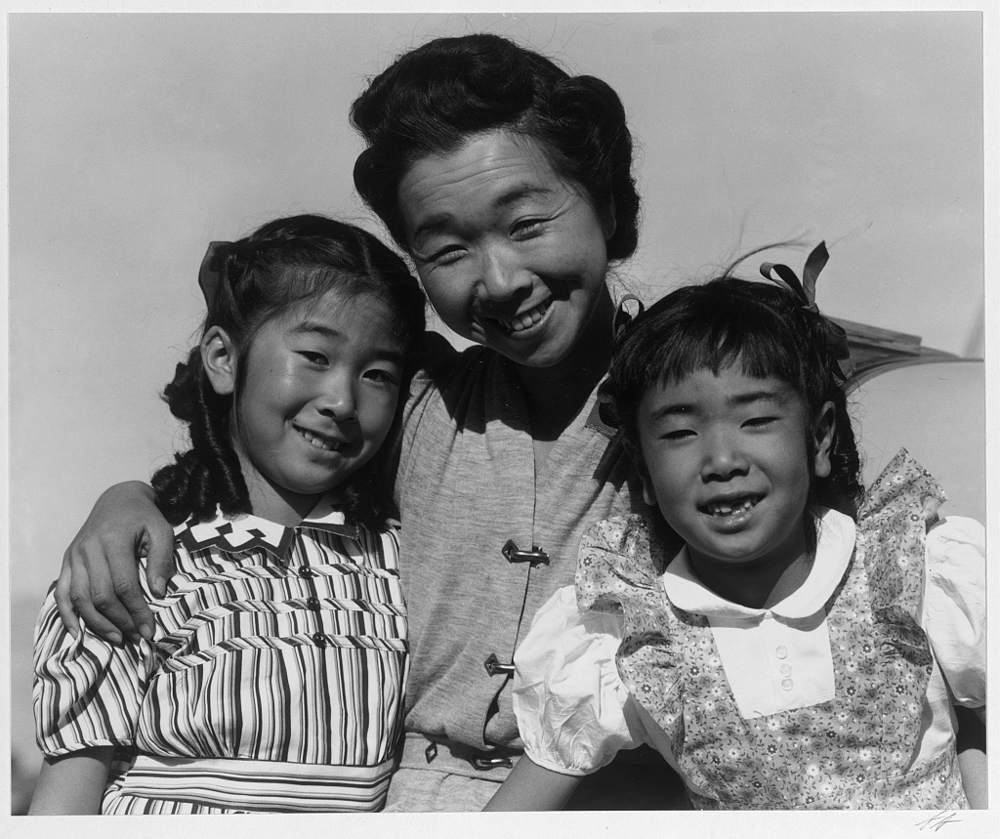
point(99, 580)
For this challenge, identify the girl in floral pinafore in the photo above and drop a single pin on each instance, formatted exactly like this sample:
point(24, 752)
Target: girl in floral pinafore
point(804, 647)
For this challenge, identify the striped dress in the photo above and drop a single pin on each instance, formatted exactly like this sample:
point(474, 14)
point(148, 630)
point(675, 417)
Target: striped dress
point(274, 682)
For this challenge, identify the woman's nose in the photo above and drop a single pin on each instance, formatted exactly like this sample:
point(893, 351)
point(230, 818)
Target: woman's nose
point(501, 275)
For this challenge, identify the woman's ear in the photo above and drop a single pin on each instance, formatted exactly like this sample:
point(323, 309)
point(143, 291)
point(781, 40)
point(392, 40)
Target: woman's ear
point(218, 357)
point(609, 221)
point(823, 431)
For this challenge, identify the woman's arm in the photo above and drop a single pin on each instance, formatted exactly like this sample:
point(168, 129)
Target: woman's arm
point(99, 580)
point(72, 784)
point(532, 787)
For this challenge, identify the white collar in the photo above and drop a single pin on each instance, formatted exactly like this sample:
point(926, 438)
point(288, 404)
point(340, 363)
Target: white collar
point(834, 548)
point(246, 532)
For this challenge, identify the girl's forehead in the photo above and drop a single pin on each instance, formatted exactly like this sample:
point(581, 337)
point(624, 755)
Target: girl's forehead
point(338, 306)
point(730, 384)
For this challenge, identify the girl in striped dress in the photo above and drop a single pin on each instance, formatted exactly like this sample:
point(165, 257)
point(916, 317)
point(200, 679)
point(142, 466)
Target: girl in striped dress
point(274, 678)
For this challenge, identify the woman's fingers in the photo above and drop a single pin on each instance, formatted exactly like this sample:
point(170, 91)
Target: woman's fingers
point(99, 580)
point(63, 602)
point(99, 583)
point(158, 548)
point(120, 597)
point(78, 600)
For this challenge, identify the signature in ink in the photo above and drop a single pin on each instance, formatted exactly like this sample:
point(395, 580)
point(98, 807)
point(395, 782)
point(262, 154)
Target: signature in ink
point(939, 820)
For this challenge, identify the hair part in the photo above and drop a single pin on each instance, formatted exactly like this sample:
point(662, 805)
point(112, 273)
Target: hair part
point(284, 264)
point(761, 329)
point(434, 98)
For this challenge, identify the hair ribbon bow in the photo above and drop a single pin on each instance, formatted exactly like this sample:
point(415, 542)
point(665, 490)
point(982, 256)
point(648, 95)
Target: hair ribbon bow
point(805, 290)
point(209, 275)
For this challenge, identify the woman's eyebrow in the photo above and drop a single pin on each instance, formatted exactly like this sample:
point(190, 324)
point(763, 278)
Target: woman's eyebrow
point(519, 193)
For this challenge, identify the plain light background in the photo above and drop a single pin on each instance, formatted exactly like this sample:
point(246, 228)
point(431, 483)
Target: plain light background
point(136, 139)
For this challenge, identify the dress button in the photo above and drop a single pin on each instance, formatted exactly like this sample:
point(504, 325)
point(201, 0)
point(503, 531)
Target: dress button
point(306, 572)
point(786, 684)
point(319, 638)
point(786, 669)
point(781, 652)
point(313, 603)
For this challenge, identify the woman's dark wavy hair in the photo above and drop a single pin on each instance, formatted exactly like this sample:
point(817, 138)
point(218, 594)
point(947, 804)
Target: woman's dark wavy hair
point(431, 99)
point(285, 263)
point(761, 328)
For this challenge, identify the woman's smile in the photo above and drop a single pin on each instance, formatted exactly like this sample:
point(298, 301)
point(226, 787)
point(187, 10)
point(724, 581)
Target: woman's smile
point(525, 320)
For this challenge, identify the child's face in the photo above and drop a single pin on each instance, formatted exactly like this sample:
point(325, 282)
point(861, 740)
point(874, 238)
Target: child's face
point(318, 398)
point(727, 461)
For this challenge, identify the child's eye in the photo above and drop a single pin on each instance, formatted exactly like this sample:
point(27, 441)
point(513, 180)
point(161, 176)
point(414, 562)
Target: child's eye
point(759, 422)
point(382, 377)
point(679, 434)
point(313, 357)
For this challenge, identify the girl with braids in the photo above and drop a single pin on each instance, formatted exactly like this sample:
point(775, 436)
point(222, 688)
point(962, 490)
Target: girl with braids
point(802, 650)
point(274, 677)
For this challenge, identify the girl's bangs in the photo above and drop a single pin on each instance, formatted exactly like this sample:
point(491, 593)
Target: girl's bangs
point(746, 339)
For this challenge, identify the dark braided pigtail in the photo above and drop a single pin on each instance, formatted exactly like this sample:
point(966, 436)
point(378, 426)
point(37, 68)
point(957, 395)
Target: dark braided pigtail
point(208, 475)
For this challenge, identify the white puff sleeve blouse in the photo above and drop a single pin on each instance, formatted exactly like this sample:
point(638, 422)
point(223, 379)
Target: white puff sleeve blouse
point(574, 714)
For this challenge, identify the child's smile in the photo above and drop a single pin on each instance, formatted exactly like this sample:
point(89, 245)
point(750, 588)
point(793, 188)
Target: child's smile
point(324, 442)
point(731, 508)
point(728, 464)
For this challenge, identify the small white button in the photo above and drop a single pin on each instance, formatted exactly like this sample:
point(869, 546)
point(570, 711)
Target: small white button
point(781, 652)
point(786, 669)
point(786, 684)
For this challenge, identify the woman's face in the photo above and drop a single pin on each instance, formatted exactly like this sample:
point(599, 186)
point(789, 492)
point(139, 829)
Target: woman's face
point(511, 254)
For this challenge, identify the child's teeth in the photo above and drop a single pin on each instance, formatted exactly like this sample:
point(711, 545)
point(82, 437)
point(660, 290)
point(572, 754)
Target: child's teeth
point(727, 509)
point(318, 442)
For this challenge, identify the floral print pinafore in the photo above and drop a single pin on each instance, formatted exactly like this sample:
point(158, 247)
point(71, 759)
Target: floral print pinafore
point(852, 752)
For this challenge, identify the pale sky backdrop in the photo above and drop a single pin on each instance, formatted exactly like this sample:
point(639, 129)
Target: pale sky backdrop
point(136, 139)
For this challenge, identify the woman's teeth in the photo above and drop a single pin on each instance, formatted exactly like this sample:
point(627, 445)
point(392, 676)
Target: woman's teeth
point(526, 319)
point(319, 442)
point(727, 508)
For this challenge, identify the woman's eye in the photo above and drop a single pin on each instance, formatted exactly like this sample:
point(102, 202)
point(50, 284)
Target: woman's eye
point(525, 228)
point(679, 434)
point(313, 357)
point(759, 422)
point(448, 255)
